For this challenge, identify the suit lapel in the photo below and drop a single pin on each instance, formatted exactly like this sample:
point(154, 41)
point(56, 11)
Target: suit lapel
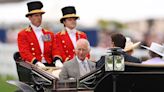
point(91, 66)
point(45, 43)
point(77, 36)
point(76, 66)
point(67, 40)
point(33, 38)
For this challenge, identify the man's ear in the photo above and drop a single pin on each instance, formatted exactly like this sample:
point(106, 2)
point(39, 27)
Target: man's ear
point(89, 49)
point(29, 17)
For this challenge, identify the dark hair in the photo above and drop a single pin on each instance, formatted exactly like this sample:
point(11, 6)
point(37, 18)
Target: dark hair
point(118, 39)
point(67, 18)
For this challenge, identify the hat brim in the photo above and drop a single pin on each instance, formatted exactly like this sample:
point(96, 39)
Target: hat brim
point(69, 16)
point(135, 45)
point(34, 12)
point(161, 54)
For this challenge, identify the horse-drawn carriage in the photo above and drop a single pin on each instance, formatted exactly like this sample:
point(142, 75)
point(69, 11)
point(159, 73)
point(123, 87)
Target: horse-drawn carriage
point(135, 78)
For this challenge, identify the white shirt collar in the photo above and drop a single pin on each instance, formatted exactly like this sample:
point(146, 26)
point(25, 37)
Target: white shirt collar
point(73, 31)
point(80, 61)
point(36, 28)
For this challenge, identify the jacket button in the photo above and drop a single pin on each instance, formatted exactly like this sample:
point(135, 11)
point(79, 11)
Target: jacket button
point(63, 41)
point(33, 53)
point(31, 43)
point(66, 51)
point(65, 46)
point(32, 49)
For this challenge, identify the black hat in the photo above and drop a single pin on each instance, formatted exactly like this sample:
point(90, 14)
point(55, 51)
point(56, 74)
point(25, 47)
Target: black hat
point(34, 7)
point(17, 56)
point(68, 12)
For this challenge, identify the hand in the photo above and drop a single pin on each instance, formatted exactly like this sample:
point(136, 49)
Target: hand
point(39, 64)
point(58, 63)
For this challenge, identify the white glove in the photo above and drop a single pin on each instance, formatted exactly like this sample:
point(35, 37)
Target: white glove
point(58, 63)
point(39, 64)
point(56, 73)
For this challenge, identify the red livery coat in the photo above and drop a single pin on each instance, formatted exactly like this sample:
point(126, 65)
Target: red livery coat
point(29, 46)
point(66, 49)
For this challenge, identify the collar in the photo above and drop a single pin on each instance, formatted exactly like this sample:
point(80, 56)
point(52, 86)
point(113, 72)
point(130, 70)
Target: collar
point(73, 31)
point(80, 61)
point(36, 28)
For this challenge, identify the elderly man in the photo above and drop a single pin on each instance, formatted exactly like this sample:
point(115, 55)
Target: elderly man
point(79, 65)
point(34, 42)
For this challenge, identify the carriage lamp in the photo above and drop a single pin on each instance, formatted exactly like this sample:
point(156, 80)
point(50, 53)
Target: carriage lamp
point(114, 61)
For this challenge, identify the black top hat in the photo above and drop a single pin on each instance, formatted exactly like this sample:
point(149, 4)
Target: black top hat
point(68, 12)
point(34, 7)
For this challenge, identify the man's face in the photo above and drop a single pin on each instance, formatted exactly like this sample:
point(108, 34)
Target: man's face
point(36, 19)
point(70, 23)
point(82, 51)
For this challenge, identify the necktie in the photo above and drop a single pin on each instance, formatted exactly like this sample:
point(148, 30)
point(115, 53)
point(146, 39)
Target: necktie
point(85, 67)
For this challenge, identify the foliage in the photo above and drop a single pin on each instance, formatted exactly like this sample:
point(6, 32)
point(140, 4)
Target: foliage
point(111, 25)
point(4, 86)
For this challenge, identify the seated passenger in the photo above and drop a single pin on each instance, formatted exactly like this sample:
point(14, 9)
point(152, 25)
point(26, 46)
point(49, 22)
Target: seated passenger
point(156, 52)
point(119, 40)
point(130, 46)
point(79, 65)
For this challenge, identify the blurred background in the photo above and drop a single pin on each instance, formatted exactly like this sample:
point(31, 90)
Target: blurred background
point(141, 20)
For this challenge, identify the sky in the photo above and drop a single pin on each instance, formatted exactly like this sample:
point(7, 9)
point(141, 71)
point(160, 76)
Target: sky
point(89, 10)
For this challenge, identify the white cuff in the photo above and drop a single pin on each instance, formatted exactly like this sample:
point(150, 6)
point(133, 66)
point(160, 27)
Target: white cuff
point(58, 63)
point(39, 64)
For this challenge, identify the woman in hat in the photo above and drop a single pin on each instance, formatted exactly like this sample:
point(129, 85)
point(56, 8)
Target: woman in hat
point(66, 39)
point(34, 42)
point(130, 46)
point(156, 52)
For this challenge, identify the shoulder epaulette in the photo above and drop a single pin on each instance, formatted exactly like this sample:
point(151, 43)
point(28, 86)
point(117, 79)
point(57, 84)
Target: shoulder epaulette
point(46, 30)
point(80, 32)
point(28, 29)
point(62, 32)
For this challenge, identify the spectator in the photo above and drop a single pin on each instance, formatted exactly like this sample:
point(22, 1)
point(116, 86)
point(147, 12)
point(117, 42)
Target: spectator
point(156, 53)
point(130, 46)
point(119, 40)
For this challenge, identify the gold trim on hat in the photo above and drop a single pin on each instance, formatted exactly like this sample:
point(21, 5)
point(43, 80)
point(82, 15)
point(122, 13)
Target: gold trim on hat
point(132, 46)
point(35, 11)
point(69, 16)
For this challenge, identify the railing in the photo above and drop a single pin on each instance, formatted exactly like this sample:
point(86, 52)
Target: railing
point(7, 63)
